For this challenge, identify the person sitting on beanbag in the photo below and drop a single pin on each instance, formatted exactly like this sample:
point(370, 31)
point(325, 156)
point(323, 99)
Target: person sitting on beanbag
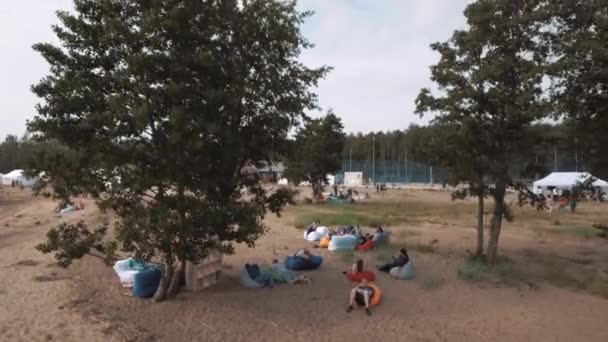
point(364, 238)
point(378, 233)
point(313, 227)
point(398, 261)
point(303, 253)
point(361, 295)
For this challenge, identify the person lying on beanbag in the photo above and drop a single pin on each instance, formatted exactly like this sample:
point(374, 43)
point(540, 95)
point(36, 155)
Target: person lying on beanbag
point(282, 274)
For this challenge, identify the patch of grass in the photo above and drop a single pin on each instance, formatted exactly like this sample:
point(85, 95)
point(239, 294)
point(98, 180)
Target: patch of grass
point(573, 273)
point(341, 218)
point(424, 248)
point(384, 252)
point(581, 261)
point(432, 283)
point(347, 257)
point(571, 230)
point(503, 272)
point(402, 234)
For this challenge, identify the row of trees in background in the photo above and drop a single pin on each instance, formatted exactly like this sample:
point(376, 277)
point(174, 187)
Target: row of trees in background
point(15, 153)
point(555, 147)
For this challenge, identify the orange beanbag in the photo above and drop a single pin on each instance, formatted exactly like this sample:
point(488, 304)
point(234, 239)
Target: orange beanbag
point(375, 300)
point(366, 246)
point(324, 242)
point(360, 276)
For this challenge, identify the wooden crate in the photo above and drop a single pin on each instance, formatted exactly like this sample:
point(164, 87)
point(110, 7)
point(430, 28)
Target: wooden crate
point(204, 274)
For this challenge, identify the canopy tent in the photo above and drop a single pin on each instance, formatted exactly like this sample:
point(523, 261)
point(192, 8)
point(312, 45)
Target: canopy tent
point(17, 176)
point(566, 180)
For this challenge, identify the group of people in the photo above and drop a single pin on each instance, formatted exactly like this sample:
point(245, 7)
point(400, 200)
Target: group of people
point(381, 187)
point(564, 200)
point(363, 294)
point(349, 230)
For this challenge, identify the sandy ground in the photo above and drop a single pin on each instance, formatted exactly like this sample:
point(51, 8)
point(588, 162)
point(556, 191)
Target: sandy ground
point(40, 301)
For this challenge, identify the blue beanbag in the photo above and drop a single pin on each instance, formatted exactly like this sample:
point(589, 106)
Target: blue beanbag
point(247, 281)
point(146, 282)
point(300, 264)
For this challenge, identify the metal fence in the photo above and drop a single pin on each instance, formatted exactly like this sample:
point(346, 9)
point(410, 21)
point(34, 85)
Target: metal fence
point(392, 171)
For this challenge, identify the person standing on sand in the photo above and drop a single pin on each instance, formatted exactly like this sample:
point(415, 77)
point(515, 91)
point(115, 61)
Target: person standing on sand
point(550, 202)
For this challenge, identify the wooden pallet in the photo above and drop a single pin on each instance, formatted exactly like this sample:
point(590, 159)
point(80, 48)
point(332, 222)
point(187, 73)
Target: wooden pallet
point(205, 273)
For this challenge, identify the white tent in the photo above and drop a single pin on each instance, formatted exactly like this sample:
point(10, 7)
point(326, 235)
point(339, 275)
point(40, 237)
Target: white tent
point(18, 176)
point(566, 180)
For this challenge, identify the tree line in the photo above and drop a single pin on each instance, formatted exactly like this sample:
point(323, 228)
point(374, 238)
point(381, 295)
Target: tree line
point(555, 146)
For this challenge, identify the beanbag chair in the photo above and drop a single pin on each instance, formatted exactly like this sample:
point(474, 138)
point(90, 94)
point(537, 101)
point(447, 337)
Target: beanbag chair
point(380, 238)
point(342, 243)
point(366, 246)
point(146, 282)
point(322, 230)
point(300, 264)
point(406, 271)
point(317, 234)
point(125, 271)
point(357, 277)
point(324, 242)
point(247, 281)
point(375, 300)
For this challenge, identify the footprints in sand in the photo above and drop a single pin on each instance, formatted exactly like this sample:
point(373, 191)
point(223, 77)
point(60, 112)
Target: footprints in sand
point(53, 276)
point(50, 277)
point(26, 262)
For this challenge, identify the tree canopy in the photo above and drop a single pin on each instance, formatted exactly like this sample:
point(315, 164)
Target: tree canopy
point(316, 151)
point(490, 81)
point(162, 106)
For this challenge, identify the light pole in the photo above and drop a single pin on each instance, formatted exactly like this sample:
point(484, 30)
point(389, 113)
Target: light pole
point(374, 160)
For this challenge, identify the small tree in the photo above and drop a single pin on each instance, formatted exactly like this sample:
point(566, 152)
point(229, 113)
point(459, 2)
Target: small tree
point(161, 107)
point(450, 147)
point(490, 78)
point(316, 152)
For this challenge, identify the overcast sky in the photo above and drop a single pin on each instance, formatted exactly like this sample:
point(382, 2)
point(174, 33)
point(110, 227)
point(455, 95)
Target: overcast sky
point(379, 50)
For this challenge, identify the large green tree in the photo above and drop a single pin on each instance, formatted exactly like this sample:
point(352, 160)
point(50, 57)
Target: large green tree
point(316, 152)
point(163, 106)
point(490, 90)
point(579, 71)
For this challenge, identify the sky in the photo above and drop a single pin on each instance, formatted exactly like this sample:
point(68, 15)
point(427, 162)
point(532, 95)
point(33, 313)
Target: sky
point(379, 50)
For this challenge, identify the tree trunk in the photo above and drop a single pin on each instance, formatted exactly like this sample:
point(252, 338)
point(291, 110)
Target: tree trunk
point(178, 275)
point(480, 210)
point(496, 224)
point(165, 281)
point(316, 191)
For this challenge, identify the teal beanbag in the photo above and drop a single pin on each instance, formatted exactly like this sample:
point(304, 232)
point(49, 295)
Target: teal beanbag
point(247, 281)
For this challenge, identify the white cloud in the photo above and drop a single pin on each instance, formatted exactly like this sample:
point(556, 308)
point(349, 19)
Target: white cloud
point(381, 55)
